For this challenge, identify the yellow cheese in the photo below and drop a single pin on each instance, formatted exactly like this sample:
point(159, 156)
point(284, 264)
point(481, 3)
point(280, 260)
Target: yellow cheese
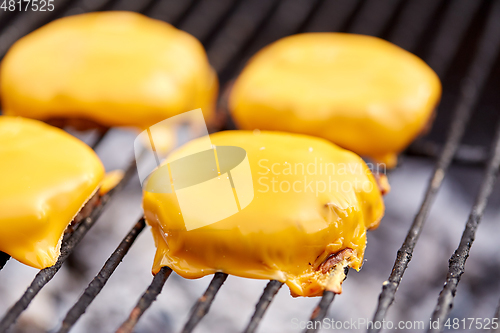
point(311, 200)
point(111, 179)
point(114, 68)
point(46, 176)
point(360, 92)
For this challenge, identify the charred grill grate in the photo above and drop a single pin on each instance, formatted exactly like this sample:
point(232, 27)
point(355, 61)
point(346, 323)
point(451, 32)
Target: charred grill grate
point(233, 30)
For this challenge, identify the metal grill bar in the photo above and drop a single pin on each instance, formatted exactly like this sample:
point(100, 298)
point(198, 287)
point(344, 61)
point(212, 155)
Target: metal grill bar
point(458, 259)
point(443, 49)
point(333, 16)
point(99, 281)
point(186, 13)
point(146, 300)
point(27, 22)
point(413, 21)
point(204, 303)
point(454, 25)
point(489, 48)
point(497, 316)
point(19, 28)
point(391, 7)
point(69, 243)
point(99, 138)
point(265, 300)
point(207, 18)
point(240, 31)
point(302, 21)
point(475, 80)
point(6, 17)
point(320, 311)
point(201, 307)
point(377, 25)
point(83, 6)
point(106, 5)
point(133, 5)
point(290, 16)
point(172, 11)
point(240, 50)
point(375, 16)
point(95, 287)
point(466, 154)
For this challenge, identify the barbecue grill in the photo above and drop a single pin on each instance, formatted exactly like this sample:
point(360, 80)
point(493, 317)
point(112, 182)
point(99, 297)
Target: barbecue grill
point(459, 39)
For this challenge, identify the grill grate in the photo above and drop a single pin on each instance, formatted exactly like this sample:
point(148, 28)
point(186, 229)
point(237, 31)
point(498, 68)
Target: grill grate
point(146, 300)
point(100, 280)
point(479, 72)
point(474, 83)
point(497, 316)
point(200, 309)
point(233, 30)
point(265, 300)
point(458, 259)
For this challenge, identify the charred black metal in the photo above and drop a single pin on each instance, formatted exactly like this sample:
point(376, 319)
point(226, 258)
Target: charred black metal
point(95, 287)
point(458, 259)
point(146, 300)
point(497, 317)
point(465, 154)
point(473, 84)
point(265, 300)
point(486, 56)
point(320, 311)
point(202, 305)
point(229, 45)
point(28, 21)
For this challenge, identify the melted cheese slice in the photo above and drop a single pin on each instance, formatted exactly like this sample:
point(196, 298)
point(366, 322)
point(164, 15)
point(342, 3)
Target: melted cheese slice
point(360, 92)
point(46, 176)
point(311, 200)
point(114, 68)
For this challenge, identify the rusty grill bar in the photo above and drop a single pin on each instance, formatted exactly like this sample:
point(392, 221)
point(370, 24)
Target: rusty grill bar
point(233, 30)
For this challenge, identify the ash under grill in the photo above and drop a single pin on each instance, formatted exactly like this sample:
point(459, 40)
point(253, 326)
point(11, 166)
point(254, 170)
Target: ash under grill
point(459, 39)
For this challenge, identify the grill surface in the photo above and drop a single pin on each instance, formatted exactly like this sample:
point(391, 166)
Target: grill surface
point(459, 39)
